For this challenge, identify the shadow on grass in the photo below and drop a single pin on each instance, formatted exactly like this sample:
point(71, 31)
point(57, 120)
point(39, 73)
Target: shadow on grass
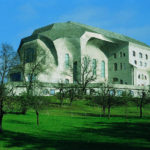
point(61, 141)
point(100, 115)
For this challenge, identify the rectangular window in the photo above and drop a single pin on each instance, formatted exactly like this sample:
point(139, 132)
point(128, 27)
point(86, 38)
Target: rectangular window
point(115, 56)
point(120, 66)
point(52, 92)
point(115, 79)
point(15, 76)
point(94, 66)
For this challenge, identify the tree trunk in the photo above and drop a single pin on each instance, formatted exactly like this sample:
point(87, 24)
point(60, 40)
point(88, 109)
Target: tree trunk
point(1, 114)
point(141, 105)
point(109, 111)
point(104, 107)
point(37, 117)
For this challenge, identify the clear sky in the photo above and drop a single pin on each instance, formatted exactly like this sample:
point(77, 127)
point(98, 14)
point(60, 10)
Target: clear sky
point(18, 18)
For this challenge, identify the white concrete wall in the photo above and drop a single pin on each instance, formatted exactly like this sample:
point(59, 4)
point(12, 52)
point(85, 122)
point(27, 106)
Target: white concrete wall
point(138, 69)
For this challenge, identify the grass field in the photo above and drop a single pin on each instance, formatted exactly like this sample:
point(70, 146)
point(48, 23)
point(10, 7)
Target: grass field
point(77, 127)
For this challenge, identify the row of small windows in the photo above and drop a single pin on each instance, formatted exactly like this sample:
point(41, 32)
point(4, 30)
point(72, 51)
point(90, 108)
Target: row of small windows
point(120, 81)
point(142, 76)
point(140, 55)
point(140, 63)
point(122, 66)
point(121, 55)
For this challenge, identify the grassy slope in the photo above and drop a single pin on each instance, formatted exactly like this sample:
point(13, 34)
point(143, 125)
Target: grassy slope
point(77, 127)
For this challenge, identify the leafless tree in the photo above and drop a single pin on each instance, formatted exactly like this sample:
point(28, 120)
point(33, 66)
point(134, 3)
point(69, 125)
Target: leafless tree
point(7, 61)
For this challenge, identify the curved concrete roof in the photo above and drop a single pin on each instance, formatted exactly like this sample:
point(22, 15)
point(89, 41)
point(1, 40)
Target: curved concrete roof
point(75, 30)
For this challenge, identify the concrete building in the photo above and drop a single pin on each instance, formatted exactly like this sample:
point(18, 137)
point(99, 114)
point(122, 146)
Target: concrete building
point(118, 59)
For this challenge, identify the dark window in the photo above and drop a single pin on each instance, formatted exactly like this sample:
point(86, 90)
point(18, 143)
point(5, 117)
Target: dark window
point(115, 79)
point(135, 62)
point(29, 55)
point(134, 54)
point(124, 54)
point(115, 56)
point(120, 66)
point(75, 71)
point(146, 56)
point(121, 81)
point(115, 66)
point(15, 76)
point(141, 63)
point(145, 78)
point(120, 54)
point(139, 76)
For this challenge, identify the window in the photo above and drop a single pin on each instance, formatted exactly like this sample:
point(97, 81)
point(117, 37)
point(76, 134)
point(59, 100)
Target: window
point(120, 66)
point(15, 76)
point(66, 60)
point(146, 56)
point(45, 92)
point(29, 55)
point(115, 66)
point(135, 62)
point(134, 54)
point(115, 79)
point(120, 54)
point(145, 77)
point(115, 56)
point(103, 69)
point(94, 66)
point(52, 92)
point(66, 81)
point(124, 54)
point(145, 64)
point(141, 63)
point(124, 66)
point(121, 81)
point(119, 92)
point(85, 64)
point(140, 55)
point(75, 71)
point(139, 76)
point(31, 77)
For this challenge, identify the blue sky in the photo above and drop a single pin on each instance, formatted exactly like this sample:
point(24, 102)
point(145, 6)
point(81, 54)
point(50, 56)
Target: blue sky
point(18, 18)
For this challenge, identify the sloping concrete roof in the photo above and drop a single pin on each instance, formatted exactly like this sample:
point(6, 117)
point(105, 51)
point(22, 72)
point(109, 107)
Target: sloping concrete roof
point(75, 30)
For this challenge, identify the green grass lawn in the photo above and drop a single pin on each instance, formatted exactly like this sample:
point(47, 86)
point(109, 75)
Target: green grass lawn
point(77, 127)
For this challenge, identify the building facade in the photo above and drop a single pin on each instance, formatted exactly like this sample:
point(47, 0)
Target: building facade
point(118, 59)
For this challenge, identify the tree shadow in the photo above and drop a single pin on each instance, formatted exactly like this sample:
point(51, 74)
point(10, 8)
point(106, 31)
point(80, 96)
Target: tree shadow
point(61, 141)
point(124, 130)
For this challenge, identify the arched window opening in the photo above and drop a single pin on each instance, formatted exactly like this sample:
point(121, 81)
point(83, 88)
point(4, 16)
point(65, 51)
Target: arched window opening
point(115, 66)
point(66, 60)
point(146, 56)
point(134, 54)
point(135, 62)
point(139, 76)
point(140, 55)
point(103, 69)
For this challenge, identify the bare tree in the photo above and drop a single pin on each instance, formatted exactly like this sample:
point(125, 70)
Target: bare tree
point(83, 74)
point(7, 61)
point(31, 66)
